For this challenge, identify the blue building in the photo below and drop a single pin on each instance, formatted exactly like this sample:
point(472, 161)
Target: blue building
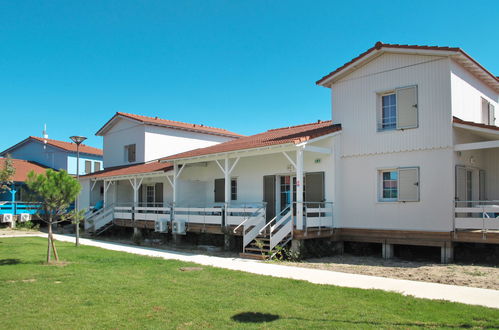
point(59, 155)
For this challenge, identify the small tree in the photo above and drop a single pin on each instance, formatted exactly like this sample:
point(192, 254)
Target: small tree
point(7, 174)
point(56, 191)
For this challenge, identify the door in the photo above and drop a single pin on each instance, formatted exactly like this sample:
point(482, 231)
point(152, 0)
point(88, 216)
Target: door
point(315, 191)
point(269, 195)
point(219, 190)
point(158, 194)
point(464, 186)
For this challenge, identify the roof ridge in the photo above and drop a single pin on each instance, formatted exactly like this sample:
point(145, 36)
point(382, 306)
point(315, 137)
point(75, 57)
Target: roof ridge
point(42, 138)
point(174, 121)
point(301, 125)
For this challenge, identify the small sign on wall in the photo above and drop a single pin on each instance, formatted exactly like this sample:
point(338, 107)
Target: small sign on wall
point(317, 160)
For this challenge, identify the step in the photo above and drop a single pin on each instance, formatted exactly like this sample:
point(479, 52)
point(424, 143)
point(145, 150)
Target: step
point(256, 249)
point(252, 256)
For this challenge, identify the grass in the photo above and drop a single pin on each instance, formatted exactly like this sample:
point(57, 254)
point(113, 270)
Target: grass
point(96, 288)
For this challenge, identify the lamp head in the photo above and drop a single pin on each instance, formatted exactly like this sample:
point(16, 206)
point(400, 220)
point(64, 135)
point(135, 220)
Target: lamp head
point(77, 139)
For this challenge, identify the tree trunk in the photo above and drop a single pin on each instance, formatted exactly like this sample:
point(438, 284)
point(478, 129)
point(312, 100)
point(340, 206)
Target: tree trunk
point(77, 234)
point(55, 249)
point(49, 240)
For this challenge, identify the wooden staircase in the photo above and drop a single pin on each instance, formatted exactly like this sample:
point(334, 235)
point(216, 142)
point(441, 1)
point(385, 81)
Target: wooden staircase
point(278, 231)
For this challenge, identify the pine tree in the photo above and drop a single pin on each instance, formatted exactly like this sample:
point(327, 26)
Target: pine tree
point(7, 174)
point(56, 191)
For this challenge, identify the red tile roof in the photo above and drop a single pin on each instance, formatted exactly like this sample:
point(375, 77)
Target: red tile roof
point(69, 146)
point(379, 45)
point(471, 123)
point(23, 167)
point(285, 135)
point(153, 166)
point(173, 124)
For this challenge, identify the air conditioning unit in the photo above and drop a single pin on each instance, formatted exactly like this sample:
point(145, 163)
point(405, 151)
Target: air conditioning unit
point(161, 226)
point(179, 227)
point(7, 218)
point(25, 217)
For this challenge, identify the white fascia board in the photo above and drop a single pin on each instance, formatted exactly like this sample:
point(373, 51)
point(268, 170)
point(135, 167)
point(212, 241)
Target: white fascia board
point(330, 135)
point(236, 153)
point(477, 145)
point(130, 176)
point(111, 122)
point(476, 129)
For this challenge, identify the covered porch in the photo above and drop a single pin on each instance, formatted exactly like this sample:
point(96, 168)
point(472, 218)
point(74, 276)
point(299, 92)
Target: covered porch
point(476, 205)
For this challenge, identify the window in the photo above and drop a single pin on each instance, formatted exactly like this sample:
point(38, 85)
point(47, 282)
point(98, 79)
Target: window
point(400, 184)
point(388, 112)
point(389, 185)
point(88, 167)
point(488, 113)
point(96, 166)
point(398, 109)
point(130, 153)
point(233, 189)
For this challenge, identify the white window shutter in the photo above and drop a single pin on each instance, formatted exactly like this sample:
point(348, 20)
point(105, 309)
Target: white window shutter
point(408, 184)
point(492, 115)
point(407, 107)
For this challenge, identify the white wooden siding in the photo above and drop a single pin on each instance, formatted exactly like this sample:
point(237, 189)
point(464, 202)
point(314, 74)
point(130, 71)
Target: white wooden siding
point(355, 101)
point(467, 94)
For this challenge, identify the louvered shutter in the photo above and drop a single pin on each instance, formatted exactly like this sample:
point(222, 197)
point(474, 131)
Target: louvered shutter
point(158, 194)
point(492, 115)
point(407, 107)
point(408, 184)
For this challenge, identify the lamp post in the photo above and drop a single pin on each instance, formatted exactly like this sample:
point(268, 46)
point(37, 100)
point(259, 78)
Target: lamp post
point(77, 140)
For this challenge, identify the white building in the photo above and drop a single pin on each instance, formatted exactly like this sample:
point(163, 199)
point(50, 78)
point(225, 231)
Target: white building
point(412, 160)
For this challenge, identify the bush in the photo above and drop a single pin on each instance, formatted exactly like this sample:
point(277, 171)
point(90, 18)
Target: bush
point(29, 225)
point(137, 238)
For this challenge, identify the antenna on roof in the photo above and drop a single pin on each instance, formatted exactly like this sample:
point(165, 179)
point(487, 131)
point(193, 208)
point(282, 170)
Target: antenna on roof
point(45, 135)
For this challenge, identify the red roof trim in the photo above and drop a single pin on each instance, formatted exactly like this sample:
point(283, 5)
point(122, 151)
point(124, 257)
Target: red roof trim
point(286, 135)
point(154, 166)
point(379, 45)
point(172, 124)
point(456, 120)
point(67, 146)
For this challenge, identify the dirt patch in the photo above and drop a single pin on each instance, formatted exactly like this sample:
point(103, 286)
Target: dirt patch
point(478, 276)
point(59, 263)
point(17, 232)
point(190, 269)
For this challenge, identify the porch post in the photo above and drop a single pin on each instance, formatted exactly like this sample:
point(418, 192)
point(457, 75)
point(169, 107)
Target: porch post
point(299, 188)
point(227, 182)
point(175, 175)
point(105, 193)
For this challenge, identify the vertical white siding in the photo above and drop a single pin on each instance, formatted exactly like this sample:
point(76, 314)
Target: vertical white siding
point(467, 93)
point(355, 102)
point(123, 133)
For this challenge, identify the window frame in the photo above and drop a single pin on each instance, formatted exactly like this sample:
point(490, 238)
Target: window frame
point(126, 155)
point(97, 165)
point(233, 189)
point(381, 186)
point(379, 108)
point(89, 163)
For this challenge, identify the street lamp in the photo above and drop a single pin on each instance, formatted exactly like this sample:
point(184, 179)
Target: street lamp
point(77, 140)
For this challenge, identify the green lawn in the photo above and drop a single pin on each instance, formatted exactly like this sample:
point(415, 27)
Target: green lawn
point(106, 289)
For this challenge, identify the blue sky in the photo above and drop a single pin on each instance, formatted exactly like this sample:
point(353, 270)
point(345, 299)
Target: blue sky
point(246, 66)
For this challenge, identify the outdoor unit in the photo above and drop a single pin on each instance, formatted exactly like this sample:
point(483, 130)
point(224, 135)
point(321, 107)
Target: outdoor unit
point(25, 217)
point(7, 217)
point(178, 227)
point(161, 226)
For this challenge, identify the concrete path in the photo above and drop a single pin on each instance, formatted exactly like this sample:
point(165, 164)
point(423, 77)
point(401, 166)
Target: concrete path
point(461, 294)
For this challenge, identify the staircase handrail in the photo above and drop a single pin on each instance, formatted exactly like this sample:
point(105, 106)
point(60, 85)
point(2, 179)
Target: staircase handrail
point(247, 218)
point(274, 219)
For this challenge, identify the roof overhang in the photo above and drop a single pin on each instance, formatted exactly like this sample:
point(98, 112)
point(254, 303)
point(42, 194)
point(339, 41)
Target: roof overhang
point(112, 121)
point(487, 133)
point(456, 54)
point(250, 152)
point(128, 176)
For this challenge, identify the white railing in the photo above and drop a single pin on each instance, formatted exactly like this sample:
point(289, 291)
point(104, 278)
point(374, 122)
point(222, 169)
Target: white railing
point(278, 228)
point(247, 214)
point(476, 215)
point(143, 211)
point(209, 215)
point(99, 219)
point(318, 214)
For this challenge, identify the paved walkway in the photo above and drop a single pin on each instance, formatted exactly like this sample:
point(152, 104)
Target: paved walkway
point(466, 295)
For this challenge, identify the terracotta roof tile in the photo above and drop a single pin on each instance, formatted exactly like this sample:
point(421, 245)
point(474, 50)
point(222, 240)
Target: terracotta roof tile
point(130, 169)
point(293, 134)
point(175, 124)
point(23, 167)
point(380, 45)
point(471, 123)
point(69, 146)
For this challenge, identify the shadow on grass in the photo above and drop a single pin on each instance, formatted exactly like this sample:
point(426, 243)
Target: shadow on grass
point(256, 317)
point(5, 262)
